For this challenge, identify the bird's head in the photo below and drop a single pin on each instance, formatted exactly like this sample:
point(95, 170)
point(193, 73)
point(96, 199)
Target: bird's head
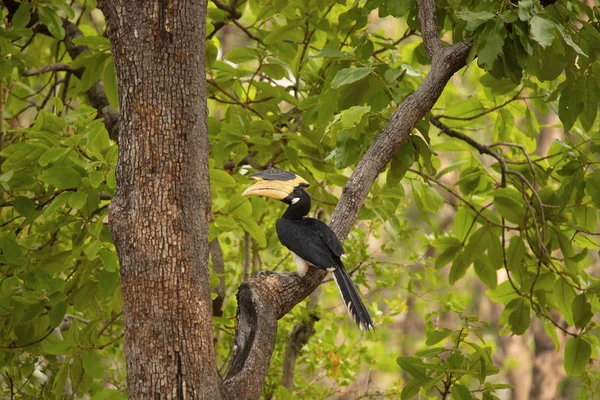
point(278, 184)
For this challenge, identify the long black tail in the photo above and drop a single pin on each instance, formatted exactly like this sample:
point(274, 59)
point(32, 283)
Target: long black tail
point(351, 297)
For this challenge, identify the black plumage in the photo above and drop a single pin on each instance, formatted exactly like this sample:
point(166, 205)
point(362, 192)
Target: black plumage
point(313, 241)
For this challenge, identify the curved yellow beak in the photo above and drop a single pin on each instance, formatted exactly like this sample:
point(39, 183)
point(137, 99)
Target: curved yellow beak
point(275, 183)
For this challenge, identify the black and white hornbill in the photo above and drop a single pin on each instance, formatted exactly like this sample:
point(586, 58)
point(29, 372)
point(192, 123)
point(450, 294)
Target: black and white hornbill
point(310, 241)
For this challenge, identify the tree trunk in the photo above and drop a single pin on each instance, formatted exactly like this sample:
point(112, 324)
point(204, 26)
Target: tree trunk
point(159, 215)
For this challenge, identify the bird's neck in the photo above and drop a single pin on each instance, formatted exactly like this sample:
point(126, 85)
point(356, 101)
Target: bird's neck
point(294, 213)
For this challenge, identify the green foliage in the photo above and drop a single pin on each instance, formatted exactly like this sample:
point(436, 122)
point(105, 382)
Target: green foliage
point(445, 233)
point(453, 368)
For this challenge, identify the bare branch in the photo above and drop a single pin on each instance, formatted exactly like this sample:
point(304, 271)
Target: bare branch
point(429, 27)
point(48, 68)
point(230, 8)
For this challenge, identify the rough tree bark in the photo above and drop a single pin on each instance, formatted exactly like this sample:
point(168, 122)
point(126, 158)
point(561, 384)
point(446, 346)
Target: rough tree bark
point(159, 215)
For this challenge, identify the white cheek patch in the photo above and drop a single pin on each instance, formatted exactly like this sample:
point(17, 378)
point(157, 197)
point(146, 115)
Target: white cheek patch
point(295, 200)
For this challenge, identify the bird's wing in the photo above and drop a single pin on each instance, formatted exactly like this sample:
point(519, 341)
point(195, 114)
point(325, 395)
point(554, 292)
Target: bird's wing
point(327, 235)
point(311, 242)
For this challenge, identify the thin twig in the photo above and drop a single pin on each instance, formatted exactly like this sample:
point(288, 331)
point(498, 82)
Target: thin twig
point(58, 67)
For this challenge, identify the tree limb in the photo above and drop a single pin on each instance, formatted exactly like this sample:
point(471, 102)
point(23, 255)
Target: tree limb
point(48, 68)
point(267, 296)
point(429, 28)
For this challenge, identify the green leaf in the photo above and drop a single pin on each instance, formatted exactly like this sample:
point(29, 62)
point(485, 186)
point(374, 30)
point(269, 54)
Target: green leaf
point(412, 388)
point(110, 394)
point(93, 70)
point(107, 283)
point(347, 150)
point(62, 177)
point(479, 242)
point(10, 249)
point(510, 204)
point(334, 53)
point(542, 31)
point(109, 77)
point(250, 226)
point(61, 378)
point(349, 75)
point(486, 272)
point(564, 295)
point(30, 312)
point(460, 392)
point(432, 200)
point(21, 17)
point(274, 71)
point(577, 356)
point(402, 161)
point(352, 116)
point(53, 154)
point(110, 260)
point(448, 254)
point(459, 268)
point(50, 18)
point(463, 220)
point(92, 365)
point(570, 104)
point(490, 42)
point(567, 250)
point(475, 16)
point(96, 178)
point(568, 39)
point(503, 294)
point(520, 317)
point(93, 42)
point(437, 336)
point(54, 345)
point(515, 254)
point(590, 106)
point(413, 366)
point(78, 200)
point(239, 206)
point(221, 178)
point(582, 310)
point(395, 8)
point(57, 203)
point(25, 206)
point(57, 313)
point(551, 331)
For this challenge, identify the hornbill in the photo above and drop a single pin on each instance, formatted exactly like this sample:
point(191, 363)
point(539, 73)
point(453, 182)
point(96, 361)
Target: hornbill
point(310, 241)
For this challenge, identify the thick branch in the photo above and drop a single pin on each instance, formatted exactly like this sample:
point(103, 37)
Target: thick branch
point(267, 296)
point(429, 28)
